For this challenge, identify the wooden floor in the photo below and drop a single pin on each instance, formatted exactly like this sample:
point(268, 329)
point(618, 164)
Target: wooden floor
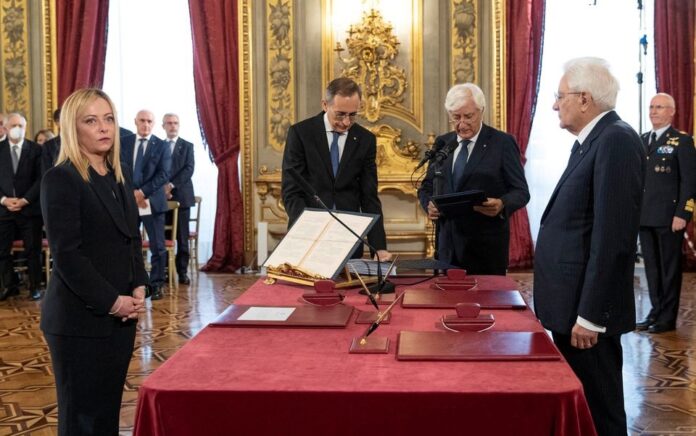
point(659, 370)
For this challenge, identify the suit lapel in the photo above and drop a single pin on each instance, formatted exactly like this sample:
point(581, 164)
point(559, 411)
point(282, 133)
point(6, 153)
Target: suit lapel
point(127, 152)
point(322, 144)
point(662, 140)
point(349, 150)
point(107, 199)
point(477, 154)
point(579, 154)
point(447, 176)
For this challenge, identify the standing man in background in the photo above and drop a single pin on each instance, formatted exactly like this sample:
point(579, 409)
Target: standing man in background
point(20, 179)
point(180, 188)
point(481, 158)
point(150, 161)
point(586, 247)
point(337, 158)
point(3, 131)
point(670, 186)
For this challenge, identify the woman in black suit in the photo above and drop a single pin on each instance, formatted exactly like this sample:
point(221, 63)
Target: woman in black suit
point(97, 288)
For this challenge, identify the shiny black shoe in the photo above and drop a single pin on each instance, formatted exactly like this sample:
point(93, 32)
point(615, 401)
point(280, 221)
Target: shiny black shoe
point(661, 327)
point(645, 324)
point(157, 293)
point(184, 279)
point(8, 292)
point(35, 295)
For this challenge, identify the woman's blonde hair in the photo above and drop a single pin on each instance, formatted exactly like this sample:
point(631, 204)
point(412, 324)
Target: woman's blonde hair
point(70, 148)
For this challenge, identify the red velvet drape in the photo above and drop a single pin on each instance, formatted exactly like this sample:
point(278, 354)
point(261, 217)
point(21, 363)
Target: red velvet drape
point(674, 67)
point(81, 30)
point(524, 36)
point(215, 74)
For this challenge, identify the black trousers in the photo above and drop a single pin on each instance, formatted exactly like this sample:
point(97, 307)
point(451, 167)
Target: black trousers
point(154, 226)
point(485, 254)
point(29, 229)
point(662, 253)
point(90, 373)
point(182, 245)
point(599, 370)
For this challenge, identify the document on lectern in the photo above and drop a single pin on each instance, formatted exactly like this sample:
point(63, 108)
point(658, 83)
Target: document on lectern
point(318, 244)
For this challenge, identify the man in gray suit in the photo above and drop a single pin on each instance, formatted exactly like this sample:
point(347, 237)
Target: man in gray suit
point(586, 247)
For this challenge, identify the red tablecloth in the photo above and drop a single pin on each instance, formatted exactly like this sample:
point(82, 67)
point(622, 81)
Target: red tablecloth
point(272, 381)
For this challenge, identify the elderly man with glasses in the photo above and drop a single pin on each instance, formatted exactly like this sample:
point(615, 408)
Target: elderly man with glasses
point(336, 156)
point(479, 157)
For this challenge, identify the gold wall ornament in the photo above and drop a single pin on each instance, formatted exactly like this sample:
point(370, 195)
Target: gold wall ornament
point(14, 57)
point(246, 120)
point(280, 57)
point(372, 49)
point(50, 50)
point(464, 41)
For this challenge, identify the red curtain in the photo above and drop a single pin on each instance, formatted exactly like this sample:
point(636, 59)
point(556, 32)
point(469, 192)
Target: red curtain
point(81, 30)
point(674, 67)
point(215, 74)
point(524, 36)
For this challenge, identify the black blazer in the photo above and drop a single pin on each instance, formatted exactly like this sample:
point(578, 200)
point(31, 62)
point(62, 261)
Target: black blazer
point(355, 187)
point(183, 164)
point(494, 167)
point(586, 247)
point(96, 249)
point(156, 169)
point(25, 183)
point(670, 179)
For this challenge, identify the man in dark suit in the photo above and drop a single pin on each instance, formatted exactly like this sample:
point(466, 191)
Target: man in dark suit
point(180, 188)
point(586, 247)
point(3, 131)
point(479, 157)
point(20, 178)
point(336, 156)
point(670, 186)
point(149, 161)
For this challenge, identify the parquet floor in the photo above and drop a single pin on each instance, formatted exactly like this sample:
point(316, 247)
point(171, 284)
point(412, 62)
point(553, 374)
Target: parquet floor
point(659, 370)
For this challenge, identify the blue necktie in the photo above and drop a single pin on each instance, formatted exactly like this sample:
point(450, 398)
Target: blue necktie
point(334, 152)
point(460, 164)
point(138, 167)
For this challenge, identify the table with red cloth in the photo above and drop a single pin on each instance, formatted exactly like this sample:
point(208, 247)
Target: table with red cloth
point(287, 381)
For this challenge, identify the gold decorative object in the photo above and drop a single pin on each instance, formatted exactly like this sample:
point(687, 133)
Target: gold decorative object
point(50, 74)
point(464, 41)
point(14, 57)
point(372, 49)
point(246, 119)
point(280, 71)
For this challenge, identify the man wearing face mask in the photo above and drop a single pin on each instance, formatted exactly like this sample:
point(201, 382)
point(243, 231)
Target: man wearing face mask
point(482, 158)
point(20, 176)
point(337, 158)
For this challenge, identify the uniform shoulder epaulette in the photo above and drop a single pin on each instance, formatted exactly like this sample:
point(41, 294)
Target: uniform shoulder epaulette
point(689, 207)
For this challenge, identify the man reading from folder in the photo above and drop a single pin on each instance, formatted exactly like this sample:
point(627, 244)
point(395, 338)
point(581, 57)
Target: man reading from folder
point(336, 156)
point(484, 159)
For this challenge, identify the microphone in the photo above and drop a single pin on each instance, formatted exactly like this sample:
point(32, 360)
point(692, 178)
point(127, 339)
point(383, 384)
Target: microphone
point(437, 156)
point(383, 286)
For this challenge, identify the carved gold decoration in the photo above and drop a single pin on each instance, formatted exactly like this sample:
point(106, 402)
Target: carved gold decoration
point(464, 41)
point(372, 49)
point(280, 73)
point(498, 101)
point(246, 120)
point(49, 70)
point(14, 66)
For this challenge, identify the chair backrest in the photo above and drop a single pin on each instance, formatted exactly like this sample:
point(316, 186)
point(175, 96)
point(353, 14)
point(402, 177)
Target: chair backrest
point(197, 204)
point(174, 207)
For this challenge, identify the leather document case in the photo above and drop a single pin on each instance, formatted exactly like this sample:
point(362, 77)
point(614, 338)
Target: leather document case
point(474, 346)
point(437, 299)
point(302, 316)
point(459, 203)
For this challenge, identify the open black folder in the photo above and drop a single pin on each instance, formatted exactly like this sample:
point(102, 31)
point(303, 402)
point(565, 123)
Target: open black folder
point(459, 203)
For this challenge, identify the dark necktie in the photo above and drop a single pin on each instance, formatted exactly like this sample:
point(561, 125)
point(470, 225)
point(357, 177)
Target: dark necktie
point(138, 166)
point(653, 138)
point(334, 153)
point(576, 145)
point(15, 158)
point(460, 164)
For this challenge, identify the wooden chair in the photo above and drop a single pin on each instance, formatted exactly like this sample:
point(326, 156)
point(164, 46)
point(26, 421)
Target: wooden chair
point(193, 235)
point(169, 243)
point(45, 249)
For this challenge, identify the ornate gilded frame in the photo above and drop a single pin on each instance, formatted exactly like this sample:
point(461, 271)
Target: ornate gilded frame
point(14, 56)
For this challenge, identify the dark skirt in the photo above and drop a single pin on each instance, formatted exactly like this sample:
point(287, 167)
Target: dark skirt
point(90, 373)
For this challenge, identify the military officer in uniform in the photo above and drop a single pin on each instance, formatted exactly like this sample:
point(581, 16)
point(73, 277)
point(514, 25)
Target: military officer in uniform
point(670, 186)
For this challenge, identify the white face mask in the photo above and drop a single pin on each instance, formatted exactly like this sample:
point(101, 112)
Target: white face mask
point(16, 133)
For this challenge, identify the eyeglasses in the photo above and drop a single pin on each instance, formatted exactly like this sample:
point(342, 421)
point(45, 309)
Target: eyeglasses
point(559, 97)
point(659, 107)
point(340, 116)
point(457, 118)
